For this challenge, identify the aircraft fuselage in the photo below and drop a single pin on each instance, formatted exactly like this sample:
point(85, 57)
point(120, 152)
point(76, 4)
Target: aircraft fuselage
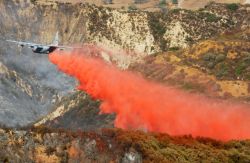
point(43, 49)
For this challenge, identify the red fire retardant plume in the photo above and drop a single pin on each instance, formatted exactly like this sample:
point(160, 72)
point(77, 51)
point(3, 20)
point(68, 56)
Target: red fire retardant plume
point(140, 104)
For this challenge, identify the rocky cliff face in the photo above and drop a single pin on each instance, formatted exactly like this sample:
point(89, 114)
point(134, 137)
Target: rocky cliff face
point(143, 32)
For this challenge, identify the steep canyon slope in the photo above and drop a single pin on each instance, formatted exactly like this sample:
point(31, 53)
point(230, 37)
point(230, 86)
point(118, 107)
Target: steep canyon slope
point(142, 32)
point(204, 51)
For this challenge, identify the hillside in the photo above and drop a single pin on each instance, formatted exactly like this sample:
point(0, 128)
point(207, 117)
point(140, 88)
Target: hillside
point(192, 4)
point(112, 145)
point(144, 33)
point(45, 117)
point(153, 5)
point(216, 67)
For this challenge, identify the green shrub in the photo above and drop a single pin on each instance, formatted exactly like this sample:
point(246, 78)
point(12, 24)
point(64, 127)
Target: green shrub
point(220, 58)
point(175, 1)
point(158, 29)
point(247, 60)
point(188, 86)
point(212, 59)
point(50, 150)
point(239, 157)
point(232, 6)
point(211, 17)
point(240, 68)
point(132, 7)
point(176, 10)
point(222, 71)
point(209, 57)
point(162, 2)
point(163, 44)
point(211, 65)
point(189, 39)
point(248, 77)
point(174, 48)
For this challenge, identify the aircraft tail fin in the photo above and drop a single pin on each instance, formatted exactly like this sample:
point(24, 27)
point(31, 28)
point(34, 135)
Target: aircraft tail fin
point(56, 39)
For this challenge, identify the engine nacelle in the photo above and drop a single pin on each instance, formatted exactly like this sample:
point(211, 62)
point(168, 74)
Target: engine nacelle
point(21, 45)
point(33, 47)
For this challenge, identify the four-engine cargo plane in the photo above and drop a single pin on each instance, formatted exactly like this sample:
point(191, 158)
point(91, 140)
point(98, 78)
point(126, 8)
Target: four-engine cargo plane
point(40, 48)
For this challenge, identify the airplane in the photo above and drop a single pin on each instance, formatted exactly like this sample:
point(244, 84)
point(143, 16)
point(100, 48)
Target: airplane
point(40, 48)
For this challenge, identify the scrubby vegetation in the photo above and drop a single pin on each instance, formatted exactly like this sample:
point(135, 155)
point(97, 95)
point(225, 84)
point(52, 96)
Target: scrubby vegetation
point(162, 3)
point(33, 1)
point(157, 25)
point(217, 67)
point(115, 144)
point(223, 67)
point(132, 7)
point(163, 148)
point(174, 48)
point(232, 6)
point(226, 58)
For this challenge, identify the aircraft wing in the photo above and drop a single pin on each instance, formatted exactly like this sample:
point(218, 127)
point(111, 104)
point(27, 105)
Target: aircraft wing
point(21, 43)
point(31, 45)
point(66, 47)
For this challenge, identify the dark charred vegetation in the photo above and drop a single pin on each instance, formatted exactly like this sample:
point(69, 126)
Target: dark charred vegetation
point(86, 114)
